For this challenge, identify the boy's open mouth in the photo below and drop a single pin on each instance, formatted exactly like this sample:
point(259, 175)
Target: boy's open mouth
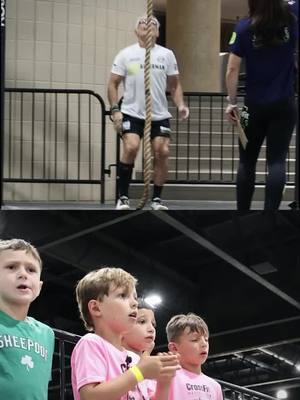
point(23, 287)
point(133, 314)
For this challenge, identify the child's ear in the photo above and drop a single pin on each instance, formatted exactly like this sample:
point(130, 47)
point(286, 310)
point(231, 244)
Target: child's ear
point(94, 308)
point(172, 346)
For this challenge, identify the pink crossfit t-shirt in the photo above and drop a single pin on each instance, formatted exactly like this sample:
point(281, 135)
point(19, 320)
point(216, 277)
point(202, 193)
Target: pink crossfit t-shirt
point(94, 360)
point(148, 386)
point(189, 386)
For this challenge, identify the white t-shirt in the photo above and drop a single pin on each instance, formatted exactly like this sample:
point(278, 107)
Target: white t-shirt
point(129, 63)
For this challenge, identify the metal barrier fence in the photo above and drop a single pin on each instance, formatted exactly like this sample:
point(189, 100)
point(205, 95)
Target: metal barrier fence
point(60, 387)
point(54, 136)
point(204, 149)
point(59, 136)
point(234, 392)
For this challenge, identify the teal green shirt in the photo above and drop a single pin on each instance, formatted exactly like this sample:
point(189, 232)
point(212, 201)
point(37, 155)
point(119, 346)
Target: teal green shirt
point(26, 351)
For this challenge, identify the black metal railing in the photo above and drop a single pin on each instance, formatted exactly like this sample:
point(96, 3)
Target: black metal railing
point(54, 136)
point(234, 392)
point(204, 149)
point(59, 136)
point(60, 387)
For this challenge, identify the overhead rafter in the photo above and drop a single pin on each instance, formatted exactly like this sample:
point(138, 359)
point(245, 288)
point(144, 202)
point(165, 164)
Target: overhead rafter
point(162, 268)
point(288, 383)
point(253, 348)
point(66, 261)
point(256, 326)
point(87, 231)
point(252, 360)
point(226, 257)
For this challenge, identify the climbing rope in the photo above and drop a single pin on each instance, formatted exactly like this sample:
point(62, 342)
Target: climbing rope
point(147, 128)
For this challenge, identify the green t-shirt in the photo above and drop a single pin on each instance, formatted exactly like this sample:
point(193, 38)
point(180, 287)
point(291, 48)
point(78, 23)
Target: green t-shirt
point(26, 351)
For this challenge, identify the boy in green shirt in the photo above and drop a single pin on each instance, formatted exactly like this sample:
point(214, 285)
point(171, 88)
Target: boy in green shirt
point(26, 345)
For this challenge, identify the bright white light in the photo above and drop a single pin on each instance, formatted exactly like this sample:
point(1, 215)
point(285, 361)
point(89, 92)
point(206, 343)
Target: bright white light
point(153, 300)
point(282, 394)
point(297, 367)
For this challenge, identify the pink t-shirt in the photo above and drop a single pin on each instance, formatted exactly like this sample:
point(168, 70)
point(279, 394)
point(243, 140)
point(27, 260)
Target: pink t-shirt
point(147, 386)
point(189, 386)
point(94, 360)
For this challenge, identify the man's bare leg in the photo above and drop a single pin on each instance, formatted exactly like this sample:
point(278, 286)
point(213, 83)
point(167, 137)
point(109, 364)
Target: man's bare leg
point(160, 148)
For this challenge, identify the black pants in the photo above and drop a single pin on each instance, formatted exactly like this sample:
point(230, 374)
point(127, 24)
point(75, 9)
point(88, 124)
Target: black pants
point(275, 122)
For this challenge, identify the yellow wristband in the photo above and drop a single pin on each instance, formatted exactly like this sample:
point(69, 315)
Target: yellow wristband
point(137, 373)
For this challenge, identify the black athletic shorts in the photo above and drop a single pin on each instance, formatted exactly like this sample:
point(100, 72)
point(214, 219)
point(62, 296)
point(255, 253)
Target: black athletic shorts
point(136, 125)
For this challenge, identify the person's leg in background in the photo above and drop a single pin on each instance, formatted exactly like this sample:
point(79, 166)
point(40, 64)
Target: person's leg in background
point(279, 135)
point(245, 184)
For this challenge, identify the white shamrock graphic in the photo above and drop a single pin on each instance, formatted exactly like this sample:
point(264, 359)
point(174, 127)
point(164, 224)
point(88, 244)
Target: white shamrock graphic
point(27, 360)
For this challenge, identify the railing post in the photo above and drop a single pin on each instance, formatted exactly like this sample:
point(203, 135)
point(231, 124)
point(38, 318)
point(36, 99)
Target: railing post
point(297, 200)
point(242, 393)
point(62, 370)
point(2, 85)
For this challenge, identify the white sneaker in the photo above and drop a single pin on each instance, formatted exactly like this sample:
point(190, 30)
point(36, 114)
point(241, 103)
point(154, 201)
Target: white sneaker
point(123, 203)
point(157, 204)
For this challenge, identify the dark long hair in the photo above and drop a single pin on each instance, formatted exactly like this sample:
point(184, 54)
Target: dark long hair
point(270, 20)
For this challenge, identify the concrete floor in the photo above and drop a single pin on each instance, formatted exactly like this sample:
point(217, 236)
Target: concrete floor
point(172, 204)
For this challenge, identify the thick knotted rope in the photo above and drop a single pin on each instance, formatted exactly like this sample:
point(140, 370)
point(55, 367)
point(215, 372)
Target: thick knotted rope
point(147, 128)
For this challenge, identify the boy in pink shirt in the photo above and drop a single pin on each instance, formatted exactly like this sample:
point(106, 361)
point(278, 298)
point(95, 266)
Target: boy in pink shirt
point(100, 365)
point(188, 337)
point(141, 339)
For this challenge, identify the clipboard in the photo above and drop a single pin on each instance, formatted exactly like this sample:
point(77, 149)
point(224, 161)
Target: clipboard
point(240, 130)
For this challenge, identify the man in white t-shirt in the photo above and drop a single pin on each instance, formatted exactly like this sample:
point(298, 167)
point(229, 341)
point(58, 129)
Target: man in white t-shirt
point(128, 67)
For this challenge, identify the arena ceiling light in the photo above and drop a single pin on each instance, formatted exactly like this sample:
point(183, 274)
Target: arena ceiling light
point(153, 300)
point(282, 394)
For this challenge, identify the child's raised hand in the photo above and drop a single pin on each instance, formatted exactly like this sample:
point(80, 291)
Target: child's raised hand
point(160, 367)
point(149, 365)
point(171, 365)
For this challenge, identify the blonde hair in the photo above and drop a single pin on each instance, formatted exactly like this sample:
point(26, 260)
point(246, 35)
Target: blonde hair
point(20, 244)
point(145, 17)
point(97, 284)
point(178, 323)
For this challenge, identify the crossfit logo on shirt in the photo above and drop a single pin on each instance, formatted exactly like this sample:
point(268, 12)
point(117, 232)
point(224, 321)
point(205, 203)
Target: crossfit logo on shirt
point(27, 360)
point(197, 389)
point(233, 38)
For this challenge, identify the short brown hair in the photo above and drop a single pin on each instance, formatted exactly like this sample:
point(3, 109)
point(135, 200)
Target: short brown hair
point(96, 284)
point(178, 323)
point(20, 244)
